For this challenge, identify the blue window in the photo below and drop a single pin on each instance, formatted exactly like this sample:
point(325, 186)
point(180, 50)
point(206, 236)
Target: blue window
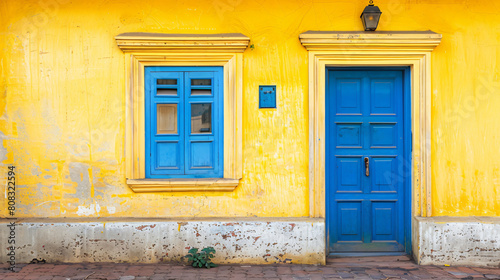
point(184, 122)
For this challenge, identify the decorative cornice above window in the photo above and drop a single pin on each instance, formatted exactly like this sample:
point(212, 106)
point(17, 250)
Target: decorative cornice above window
point(224, 42)
point(404, 40)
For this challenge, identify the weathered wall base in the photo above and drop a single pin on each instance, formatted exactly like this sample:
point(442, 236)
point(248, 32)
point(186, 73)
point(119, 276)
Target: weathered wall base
point(272, 240)
point(473, 241)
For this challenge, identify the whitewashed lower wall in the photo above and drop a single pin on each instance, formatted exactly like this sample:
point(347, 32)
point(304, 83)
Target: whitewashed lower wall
point(290, 240)
point(472, 241)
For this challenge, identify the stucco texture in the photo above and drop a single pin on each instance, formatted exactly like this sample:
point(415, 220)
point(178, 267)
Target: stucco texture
point(62, 98)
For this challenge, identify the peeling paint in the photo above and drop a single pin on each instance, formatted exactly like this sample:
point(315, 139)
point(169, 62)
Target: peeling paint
point(146, 242)
point(79, 174)
point(111, 209)
point(458, 241)
point(143, 227)
point(3, 149)
point(88, 211)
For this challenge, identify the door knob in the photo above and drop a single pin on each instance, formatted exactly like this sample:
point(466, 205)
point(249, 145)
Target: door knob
point(367, 166)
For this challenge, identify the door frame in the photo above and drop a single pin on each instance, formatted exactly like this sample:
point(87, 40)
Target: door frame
point(382, 48)
point(407, 155)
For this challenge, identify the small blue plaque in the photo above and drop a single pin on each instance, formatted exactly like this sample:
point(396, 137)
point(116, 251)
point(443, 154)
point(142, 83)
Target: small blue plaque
point(267, 96)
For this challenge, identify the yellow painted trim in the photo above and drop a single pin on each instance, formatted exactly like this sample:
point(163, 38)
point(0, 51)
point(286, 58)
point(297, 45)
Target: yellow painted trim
point(140, 56)
point(328, 49)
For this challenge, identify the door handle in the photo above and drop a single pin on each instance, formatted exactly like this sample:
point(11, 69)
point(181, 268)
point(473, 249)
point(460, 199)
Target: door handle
point(367, 166)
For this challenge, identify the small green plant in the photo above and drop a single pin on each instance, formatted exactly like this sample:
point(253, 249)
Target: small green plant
point(202, 258)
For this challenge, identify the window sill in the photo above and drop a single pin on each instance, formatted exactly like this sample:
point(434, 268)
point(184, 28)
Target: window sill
point(183, 185)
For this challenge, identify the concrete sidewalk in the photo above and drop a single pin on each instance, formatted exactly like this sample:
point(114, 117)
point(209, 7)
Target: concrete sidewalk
point(337, 268)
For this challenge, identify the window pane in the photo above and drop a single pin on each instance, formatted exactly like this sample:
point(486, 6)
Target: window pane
point(166, 82)
point(166, 91)
point(201, 118)
point(201, 82)
point(166, 118)
point(201, 91)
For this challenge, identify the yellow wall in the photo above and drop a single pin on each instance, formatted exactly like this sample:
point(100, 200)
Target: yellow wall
point(62, 102)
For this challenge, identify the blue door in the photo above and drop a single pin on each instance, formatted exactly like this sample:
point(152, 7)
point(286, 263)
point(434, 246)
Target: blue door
point(366, 156)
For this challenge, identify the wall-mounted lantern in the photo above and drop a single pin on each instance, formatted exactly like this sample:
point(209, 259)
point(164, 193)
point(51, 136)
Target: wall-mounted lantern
point(370, 17)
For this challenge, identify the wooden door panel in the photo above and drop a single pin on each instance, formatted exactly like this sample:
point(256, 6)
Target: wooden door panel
point(364, 152)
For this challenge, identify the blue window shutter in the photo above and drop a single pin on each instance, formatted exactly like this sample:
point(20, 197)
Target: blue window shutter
point(193, 151)
point(165, 150)
point(203, 125)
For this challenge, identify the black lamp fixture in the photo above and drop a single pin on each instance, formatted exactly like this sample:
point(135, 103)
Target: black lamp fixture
point(370, 17)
